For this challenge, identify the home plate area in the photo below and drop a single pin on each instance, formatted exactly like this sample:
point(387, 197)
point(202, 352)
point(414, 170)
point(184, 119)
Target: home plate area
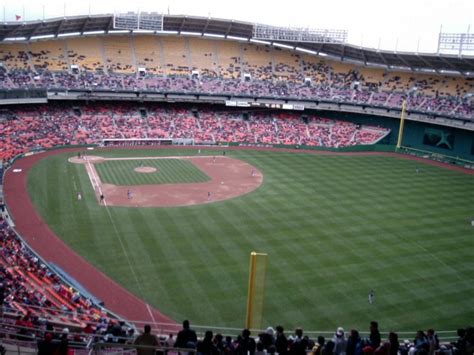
point(220, 178)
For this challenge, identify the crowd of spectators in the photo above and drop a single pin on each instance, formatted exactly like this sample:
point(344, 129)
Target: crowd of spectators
point(119, 336)
point(348, 88)
point(30, 288)
point(276, 341)
point(45, 126)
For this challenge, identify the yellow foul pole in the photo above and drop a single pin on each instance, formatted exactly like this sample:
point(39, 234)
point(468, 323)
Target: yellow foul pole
point(402, 124)
point(250, 296)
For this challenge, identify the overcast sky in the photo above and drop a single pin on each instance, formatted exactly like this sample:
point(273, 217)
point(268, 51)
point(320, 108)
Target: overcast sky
point(367, 21)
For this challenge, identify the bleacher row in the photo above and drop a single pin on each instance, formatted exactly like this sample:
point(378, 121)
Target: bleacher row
point(112, 62)
point(27, 128)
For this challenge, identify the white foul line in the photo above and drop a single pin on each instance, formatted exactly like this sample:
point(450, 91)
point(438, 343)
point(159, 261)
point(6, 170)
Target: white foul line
point(94, 182)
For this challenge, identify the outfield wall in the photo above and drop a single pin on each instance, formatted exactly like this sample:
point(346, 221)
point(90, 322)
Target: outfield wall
point(414, 133)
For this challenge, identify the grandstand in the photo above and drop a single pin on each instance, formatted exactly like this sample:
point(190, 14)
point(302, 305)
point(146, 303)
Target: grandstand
point(223, 65)
point(210, 83)
point(52, 125)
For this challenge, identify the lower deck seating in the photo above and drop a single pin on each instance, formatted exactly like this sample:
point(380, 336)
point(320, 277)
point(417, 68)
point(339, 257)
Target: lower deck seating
point(46, 126)
point(32, 289)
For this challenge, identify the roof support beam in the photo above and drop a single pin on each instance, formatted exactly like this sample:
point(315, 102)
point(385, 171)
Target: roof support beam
point(228, 29)
point(58, 29)
point(343, 48)
point(383, 59)
point(35, 30)
point(428, 64)
point(449, 64)
point(404, 61)
point(181, 26)
point(110, 25)
point(364, 58)
point(84, 25)
point(466, 63)
point(12, 32)
point(205, 26)
point(319, 47)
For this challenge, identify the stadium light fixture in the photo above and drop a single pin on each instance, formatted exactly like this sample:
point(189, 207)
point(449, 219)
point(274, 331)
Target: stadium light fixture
point(299, 49)
point(450, 72)
point(14, 39)
point(70, 34)
point(119, 31)
point(321, 54)
point(427, 70)
point(375, 65)
point(282, 45)
point(259, 41)
point(91, 33)
point(42, 37)
point(213, 35)
point(185, 33)
point(169, 32)
point(238, 38)
point(143, 31)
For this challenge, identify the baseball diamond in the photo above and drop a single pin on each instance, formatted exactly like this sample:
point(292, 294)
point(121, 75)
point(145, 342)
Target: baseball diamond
point(179, 181)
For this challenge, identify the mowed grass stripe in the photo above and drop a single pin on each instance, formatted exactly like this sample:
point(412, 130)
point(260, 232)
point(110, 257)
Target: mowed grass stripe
point(334, 227)
point(169, 171)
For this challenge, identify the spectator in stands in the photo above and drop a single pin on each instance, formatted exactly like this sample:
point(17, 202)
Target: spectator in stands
point(206, 346)
point(115, 330)
point(318, 346)
point(420, 344)
point(169, 342)
point(470, 340)
point(328, 348)
point(433, 341)
point(300, 343)
point(281, 342)
point(88, 329)
point(246, 344)
point(219, 342)
point(229, 345)
point(340, 342)
point(383, 349)
point(147, 341)
point(63, 347)
point(260, 349)
point(46, 345)
point(394, 343)
point(374, 338)
point(25, 327)
point(267, 338)
point(186, 338)
point(461, 344)
point(354, 343)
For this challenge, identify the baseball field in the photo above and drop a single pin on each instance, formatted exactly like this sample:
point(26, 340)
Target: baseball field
point(334, 227)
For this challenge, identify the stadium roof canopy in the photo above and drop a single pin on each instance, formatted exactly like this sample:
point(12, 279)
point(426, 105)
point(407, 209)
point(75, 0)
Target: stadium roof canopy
point(179, 24)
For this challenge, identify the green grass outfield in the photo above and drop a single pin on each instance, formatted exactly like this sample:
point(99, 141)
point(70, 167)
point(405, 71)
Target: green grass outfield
point(334, 227)
point(169, 171)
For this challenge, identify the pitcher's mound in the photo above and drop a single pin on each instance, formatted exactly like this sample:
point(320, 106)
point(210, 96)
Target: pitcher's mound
point(145, 169)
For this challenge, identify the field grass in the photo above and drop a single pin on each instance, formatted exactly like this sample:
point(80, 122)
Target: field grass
point(334, 227)
point(169, 171)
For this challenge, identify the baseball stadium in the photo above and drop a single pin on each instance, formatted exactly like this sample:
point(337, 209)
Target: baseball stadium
point(281, 189)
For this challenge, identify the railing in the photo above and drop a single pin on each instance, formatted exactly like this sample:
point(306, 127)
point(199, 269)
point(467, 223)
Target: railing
point(469, 164)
